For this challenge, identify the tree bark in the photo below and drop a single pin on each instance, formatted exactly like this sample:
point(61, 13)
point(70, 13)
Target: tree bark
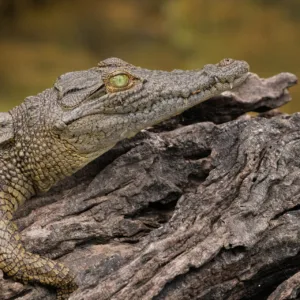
point(203, 206)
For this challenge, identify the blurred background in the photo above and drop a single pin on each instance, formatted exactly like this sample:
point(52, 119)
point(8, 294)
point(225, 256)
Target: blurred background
point(41, 39)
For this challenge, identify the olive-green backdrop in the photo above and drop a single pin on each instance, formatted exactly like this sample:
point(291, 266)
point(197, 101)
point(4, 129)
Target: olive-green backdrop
point(40, 39)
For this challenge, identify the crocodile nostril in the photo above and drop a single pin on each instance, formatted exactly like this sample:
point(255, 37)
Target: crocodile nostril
point(225, 62)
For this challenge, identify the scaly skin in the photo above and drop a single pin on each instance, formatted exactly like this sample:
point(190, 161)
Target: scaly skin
point(54, 134)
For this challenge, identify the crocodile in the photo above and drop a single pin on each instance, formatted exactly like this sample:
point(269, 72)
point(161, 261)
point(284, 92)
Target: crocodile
point(57, 132)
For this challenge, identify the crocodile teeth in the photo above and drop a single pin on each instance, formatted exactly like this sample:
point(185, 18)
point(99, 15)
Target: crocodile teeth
point(216, 79)
point(231, 85)
point(196, 92)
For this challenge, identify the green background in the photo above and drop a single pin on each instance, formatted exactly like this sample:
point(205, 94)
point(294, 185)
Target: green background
point(40, 40)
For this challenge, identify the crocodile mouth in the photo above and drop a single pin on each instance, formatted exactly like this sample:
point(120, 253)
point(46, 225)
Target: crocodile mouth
point(222, 86)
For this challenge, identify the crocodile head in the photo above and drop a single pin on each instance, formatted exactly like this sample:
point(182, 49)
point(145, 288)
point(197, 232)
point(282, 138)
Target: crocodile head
point(115, 100)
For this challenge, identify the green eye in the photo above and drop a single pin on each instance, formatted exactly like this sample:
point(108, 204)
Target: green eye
point(119, 81)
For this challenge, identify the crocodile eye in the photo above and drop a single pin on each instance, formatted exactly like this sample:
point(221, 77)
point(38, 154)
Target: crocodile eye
point(119, 81)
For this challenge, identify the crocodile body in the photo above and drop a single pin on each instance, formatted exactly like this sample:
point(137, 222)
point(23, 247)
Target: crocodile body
point(54, 134)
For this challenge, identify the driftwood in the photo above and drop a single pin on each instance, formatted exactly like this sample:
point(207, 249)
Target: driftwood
point(186, 210)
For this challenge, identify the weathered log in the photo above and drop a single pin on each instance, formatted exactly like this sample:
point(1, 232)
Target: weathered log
point(186, 210)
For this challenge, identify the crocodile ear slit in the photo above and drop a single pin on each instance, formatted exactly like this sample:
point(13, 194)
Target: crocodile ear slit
point(75, 87)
